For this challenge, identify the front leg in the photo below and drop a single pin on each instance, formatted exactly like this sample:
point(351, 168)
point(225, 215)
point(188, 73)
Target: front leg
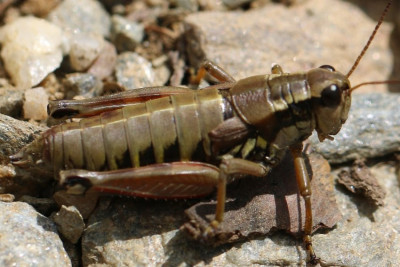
point(303, 182)
point(230, 166)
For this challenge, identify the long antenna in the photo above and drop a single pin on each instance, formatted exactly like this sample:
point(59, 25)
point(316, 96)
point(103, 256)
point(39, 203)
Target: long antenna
point(375, 82)
point(370, 39)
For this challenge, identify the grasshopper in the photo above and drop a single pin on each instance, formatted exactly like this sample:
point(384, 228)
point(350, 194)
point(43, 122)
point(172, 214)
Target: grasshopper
point(173, 142)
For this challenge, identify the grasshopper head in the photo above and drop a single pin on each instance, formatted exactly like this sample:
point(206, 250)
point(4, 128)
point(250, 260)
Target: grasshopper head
point(331, 100)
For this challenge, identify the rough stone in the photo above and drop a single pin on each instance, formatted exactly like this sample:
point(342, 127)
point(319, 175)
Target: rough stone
point(27, 238)
point(69, 223)
point(262, 206)
point(146, 232)
point(31, 49)
point(358, 239)
point(372, 130)
point(15, 134)
point(298, 38)
point(360, 181)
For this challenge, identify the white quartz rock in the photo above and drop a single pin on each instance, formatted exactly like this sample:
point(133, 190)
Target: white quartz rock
point(31, 49)
point(35, 104)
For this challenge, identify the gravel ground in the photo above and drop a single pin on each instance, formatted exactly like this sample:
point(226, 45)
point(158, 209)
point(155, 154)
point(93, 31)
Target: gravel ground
point(79, 49)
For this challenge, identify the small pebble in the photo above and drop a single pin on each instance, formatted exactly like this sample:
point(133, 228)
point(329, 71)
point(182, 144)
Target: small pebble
point(126, 34)
point(104, 65)
point(134, 71)
point(361, 181)
point(69, 223)
point(83, 84)
point(35, 104)
point(85, 48)
point(7, 197)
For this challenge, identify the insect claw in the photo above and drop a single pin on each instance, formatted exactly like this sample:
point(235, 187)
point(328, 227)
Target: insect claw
point(322, 137)
point(211, 229)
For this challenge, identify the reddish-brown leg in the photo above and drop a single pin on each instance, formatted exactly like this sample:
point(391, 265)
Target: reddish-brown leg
point(303, 182)
point(212, 69)
point(166, 180)
point(230, 166)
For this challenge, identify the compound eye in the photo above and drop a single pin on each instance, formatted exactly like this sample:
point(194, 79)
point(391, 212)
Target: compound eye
point(328, 67)
point(331, 96)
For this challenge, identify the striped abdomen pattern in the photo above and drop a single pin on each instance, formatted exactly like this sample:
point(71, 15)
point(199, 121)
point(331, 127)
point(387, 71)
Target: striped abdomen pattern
point(173, 128)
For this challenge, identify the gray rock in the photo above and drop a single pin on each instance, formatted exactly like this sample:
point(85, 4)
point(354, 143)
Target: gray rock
point(126, 34)
point(15, 134)
point(83, 84)
point(85, 16)
point(137, 231)
point(372, 129)
point(69, 223)
point(10, 100)
point(298, 38)
point(133, 71)
point(366, 236)
point(29, 239)
point(146, 233)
